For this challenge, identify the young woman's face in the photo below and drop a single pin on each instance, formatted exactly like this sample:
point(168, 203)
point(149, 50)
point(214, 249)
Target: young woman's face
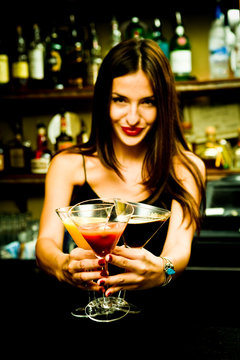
point(132, 109)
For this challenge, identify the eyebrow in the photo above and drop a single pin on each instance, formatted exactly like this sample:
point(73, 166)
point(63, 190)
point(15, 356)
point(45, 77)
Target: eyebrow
point(151, 97)
point(119, 95)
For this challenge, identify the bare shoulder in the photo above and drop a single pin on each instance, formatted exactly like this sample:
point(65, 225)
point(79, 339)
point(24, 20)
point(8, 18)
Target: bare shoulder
point(67, 165)
point(181, 168)
point(197, 161)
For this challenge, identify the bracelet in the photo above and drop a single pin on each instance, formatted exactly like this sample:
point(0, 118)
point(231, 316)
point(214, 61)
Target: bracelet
point(169, 270)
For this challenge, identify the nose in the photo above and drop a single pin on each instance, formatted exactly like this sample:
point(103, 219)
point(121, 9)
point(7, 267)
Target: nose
point(133, 116)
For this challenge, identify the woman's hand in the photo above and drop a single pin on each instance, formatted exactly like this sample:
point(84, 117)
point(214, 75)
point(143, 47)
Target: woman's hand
point(82, 268)
point(143, 270)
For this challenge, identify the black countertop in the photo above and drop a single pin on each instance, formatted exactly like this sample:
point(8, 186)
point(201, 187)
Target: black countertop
point(197, 316)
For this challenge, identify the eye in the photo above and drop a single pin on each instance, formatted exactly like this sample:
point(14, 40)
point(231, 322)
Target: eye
point(149, 101)
point(118, 99)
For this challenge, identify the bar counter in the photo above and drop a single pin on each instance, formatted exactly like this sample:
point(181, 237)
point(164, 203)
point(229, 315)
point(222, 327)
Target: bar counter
point(196, 316)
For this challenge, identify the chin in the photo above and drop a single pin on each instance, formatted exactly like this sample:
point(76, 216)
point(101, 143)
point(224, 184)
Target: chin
point(132, 142)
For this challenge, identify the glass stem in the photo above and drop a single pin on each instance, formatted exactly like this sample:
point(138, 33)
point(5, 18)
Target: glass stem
point(105, 299)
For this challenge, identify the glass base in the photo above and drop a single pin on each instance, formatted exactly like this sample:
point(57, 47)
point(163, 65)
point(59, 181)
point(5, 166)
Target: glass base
point(133, 309)
point(107, 309)
point(79, 312)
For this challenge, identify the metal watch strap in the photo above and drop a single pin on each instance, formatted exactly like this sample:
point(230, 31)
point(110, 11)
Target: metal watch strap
point(169, 270)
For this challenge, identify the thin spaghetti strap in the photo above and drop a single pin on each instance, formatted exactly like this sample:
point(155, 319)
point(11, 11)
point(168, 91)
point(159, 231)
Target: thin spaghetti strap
point(84, 168)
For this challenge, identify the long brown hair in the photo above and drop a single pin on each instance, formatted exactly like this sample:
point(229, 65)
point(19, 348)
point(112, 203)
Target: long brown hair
point(164, 141)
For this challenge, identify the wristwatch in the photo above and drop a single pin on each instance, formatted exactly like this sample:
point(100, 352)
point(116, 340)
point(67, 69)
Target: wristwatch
point(169, 270)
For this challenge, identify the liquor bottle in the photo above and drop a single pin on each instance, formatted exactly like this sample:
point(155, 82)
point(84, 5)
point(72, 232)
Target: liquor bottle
point(215, 154)
point(42, 155)
point(19, 152)
point(218, 49)
point(95, 57)
point(180, 52)
point(157, 35)
point(135, 29)
point(4, 68)
point(82, 137)
point(211, 152)
point(116, 33)
point(20, 66)
point(236, 153)
point(75, 65)
point(54, 61)
point(36, 59)
point(64, 140)
point(237, 51)
point(2, 157)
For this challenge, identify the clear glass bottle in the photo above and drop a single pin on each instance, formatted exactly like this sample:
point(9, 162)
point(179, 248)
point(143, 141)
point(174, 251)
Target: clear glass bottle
point(116, 33)
point(95, 56)
point(219, 65)
point(36, 55)
point(20, 65)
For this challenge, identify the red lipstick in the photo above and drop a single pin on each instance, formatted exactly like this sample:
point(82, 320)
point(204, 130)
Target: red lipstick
point(131, 131)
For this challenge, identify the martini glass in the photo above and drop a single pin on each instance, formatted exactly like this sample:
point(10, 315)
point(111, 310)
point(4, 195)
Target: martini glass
point(102, 222)
point(63, 213)
point(144, 223)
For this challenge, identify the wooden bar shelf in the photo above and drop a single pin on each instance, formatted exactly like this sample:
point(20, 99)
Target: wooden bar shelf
point(192, 86)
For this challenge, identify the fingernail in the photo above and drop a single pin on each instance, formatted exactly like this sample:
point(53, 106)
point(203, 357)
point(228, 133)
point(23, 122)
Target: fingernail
point(103, 273)
point(101, 262)
point(109, 258)
point(101, 282)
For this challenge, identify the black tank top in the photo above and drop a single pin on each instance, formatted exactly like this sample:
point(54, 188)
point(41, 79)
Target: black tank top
point(85, 192)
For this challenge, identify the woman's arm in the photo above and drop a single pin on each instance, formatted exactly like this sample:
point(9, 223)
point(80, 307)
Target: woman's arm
point(177, 246)
point(64, 171)
point(144, 270)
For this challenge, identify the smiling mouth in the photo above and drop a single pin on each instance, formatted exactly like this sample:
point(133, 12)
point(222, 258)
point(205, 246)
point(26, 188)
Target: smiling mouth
point(132, 131)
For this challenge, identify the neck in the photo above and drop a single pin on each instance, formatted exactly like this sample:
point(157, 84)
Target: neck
point(129, 154)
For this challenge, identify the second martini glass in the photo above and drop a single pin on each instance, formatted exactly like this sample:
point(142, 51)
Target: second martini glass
point(145, 222)
point(102, 222)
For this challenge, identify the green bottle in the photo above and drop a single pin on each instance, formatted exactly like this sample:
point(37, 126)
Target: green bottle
point(135, 29)
point(180, 52)
point(157, 36)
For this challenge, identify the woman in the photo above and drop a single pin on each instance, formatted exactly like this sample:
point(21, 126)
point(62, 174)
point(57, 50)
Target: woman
point(136, 152)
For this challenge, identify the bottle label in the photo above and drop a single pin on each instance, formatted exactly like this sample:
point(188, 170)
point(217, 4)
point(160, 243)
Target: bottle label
point(55, 61)
point(40, 166)
point(20, 70)
point(1, 162)
point(64, 144)
point(219, 63)
point(181, 61)
point(181, 40)
point(16, 158)
point(4, 69)
point(36, 64)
